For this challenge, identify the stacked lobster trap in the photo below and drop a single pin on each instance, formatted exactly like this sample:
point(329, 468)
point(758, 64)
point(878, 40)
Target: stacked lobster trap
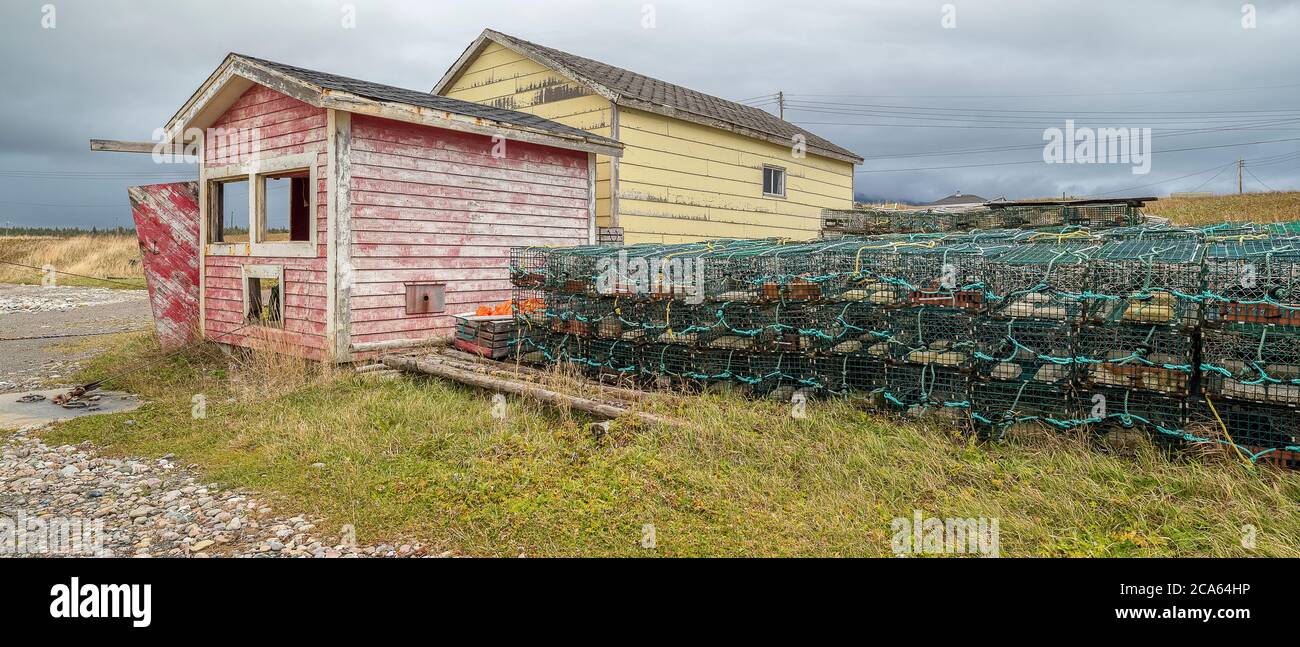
point(1065, 327)
point(1137, 343)
point(1250, 340)
point(1093, 214)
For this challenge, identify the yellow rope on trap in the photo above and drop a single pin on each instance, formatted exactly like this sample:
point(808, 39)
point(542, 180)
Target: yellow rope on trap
point(1224, 427)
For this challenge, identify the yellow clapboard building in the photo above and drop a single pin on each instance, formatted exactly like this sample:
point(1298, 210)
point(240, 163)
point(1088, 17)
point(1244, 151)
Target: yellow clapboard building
point(694, 166)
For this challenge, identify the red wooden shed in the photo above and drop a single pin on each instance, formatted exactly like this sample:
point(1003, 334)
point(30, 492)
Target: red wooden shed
point(338, 217)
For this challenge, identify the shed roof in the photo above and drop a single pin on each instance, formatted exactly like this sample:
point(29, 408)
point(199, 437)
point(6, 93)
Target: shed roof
point(325, 90)
point(627, 88)
point(957, 198)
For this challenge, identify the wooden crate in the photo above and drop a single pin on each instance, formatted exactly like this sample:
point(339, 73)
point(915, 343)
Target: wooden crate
point(491, 336)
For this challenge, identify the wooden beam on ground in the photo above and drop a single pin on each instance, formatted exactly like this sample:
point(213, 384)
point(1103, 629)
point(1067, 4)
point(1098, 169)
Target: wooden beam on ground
point(463, 358)
point(509, 372)
point(116, 146)
point(517, 388)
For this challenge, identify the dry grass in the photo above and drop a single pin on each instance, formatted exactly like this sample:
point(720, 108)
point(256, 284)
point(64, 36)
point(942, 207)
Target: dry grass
point(1281, 206)
point(426, 460)
point(102, 256)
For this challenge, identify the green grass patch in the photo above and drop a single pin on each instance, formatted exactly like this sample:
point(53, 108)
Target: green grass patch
point(423, 459)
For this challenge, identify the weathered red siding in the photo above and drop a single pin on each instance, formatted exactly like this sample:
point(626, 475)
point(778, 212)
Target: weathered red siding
point(434, 205)
point(280, 125)
point(167, 224)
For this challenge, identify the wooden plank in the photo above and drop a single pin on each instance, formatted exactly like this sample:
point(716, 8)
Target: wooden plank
point(341, 175)
point(117, 146)
point(167, 224)
point(518, 388)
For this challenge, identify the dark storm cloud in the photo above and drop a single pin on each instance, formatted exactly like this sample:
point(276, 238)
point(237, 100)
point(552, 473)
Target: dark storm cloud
point(118, 69)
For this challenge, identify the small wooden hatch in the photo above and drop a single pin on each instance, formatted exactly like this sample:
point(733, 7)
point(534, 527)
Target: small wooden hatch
point(425, 298)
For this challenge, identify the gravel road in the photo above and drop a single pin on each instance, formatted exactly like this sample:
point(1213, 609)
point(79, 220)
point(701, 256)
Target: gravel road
point(34, 311)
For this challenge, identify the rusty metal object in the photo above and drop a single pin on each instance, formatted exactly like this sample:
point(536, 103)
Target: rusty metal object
point(63, 399)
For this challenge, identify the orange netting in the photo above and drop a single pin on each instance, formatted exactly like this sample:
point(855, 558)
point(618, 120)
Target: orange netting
point(505, 308)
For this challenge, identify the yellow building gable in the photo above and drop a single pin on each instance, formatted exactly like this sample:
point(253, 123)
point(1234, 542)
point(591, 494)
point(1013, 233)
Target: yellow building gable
point(678, 180)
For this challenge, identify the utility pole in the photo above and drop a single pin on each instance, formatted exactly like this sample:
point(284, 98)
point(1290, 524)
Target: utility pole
point(780, 103)
point(1241, 164)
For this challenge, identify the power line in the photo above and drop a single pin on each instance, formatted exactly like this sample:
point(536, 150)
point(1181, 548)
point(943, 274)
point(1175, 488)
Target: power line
point(1212, 177)
point(1252, 174)
point(63, 206)
point(1275, 159)
point(65, 335)
point(81, 276)
point(1172, 179)
point(95, 174)
point(1020, 111)
point(1039, 161)
point(1071, 94)
point(961, 126)
point(1022, 120)
point(969, 151)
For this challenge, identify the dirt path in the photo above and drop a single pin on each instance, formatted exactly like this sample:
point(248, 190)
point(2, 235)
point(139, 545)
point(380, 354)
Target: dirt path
point(38, 323)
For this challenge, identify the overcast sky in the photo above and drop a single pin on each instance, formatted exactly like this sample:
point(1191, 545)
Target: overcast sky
point(888, 79)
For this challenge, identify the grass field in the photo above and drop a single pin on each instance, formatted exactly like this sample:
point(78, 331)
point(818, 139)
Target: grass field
point(425, 460)
point(1279, 206)
point(104, 256)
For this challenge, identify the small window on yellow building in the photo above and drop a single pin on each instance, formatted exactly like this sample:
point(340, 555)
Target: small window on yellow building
point(774, 181)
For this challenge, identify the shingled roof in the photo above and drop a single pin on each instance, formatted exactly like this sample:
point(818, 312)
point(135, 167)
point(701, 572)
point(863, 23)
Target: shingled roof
point(322, 89)
point(630, 89)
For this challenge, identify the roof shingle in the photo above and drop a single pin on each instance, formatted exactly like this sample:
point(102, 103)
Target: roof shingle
point(381, 92)
point(638, 87)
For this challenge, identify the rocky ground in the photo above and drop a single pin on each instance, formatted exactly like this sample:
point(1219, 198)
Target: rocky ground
point(154, 508)
point(30, 299)
point(157, 508)
point(34, 320)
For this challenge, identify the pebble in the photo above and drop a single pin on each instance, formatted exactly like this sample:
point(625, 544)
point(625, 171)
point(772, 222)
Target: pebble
point(147, 511)
point(37, 298)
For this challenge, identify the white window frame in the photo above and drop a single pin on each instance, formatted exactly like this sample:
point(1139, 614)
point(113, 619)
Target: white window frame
point(276, 272)
point(784, 177)
point(256, 172)
point(212, 215)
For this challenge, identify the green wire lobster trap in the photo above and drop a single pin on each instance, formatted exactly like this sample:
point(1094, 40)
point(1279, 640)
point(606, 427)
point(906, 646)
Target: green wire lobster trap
point(1262, 432)
point(927, 335)
point(1146, 282)
point(1041, 280)
point(1253, 281)
point(917, 388)
point(842, 373)
point(1151, 358)
point(1012, 350)
point(1252, 363)
point(996, 405)
point(1106, 408)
